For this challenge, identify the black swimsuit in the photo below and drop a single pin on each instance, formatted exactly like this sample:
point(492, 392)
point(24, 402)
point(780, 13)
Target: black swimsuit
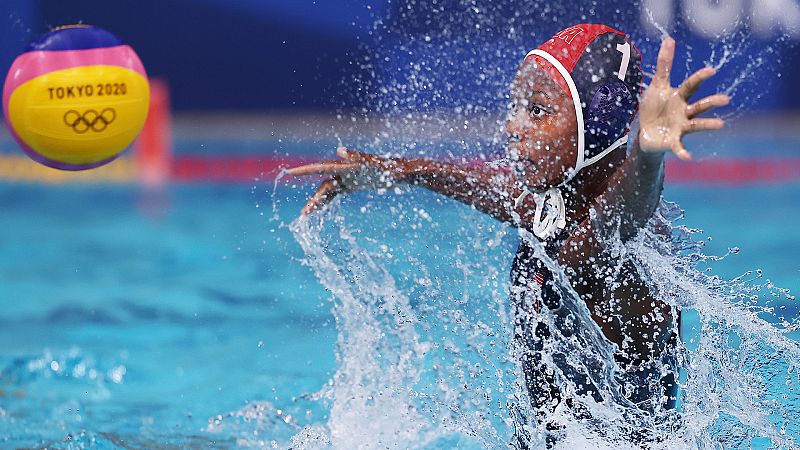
point(531, 285)
point(532, 288)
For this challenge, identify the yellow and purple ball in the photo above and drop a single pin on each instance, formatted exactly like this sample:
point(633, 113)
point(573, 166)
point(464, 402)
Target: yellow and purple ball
point(76, 98)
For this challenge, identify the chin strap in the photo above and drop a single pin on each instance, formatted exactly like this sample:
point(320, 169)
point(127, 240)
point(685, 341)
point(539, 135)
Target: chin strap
point(551, 212)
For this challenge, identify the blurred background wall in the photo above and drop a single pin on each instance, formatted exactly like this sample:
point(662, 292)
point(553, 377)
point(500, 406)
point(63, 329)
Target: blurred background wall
point(308, 55)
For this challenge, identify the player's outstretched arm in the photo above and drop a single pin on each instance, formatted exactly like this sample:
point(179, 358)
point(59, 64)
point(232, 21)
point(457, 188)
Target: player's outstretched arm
point(489, 191)
point(666, 114)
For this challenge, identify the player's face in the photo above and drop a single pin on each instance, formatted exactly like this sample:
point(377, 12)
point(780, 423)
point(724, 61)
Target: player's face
point(541, 129)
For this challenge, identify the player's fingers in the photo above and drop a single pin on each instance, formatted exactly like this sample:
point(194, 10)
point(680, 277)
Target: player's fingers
point(664, 64)
point(324, 168)
point(706, 104)
point(680, 151)
point(326, 192)
point(690, 86)
point(696, 125)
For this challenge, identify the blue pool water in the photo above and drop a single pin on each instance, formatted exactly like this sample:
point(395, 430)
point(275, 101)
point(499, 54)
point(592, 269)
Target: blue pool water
point(152, 320)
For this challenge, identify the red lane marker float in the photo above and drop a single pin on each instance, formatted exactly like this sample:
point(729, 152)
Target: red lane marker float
point(234, 169)
point(231, 169)
point(734, 171)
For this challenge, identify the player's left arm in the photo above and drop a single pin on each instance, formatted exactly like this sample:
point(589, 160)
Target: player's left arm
point(665, 116)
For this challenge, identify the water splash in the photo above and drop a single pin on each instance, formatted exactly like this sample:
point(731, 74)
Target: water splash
point(257, 425)
point(747, 63)
point(741, 369)
point(422, 373)
point(376, 323)
point(426, 357)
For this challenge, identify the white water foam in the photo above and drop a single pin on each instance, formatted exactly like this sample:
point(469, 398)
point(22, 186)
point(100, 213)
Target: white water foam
point(425, 361)
point(740, 372)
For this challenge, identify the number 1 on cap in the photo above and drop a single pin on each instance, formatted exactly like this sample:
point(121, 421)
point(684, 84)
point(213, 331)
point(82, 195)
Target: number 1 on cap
point(625, 49)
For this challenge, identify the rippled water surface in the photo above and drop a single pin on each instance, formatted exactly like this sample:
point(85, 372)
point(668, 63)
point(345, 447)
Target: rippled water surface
point(188, 318)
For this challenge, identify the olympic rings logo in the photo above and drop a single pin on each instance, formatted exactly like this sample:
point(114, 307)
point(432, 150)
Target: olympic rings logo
point(90, 120)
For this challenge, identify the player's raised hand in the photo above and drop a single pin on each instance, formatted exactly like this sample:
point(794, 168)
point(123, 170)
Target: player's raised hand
point(353, 172)
point(665, 113)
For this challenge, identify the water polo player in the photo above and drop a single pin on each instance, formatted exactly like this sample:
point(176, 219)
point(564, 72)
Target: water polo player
point(576, 180)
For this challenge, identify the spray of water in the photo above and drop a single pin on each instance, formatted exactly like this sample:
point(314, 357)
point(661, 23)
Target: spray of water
point(420, 375)
point(426, 355)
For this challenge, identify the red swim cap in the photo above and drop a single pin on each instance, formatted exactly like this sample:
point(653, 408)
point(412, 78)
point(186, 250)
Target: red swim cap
point(601, 70)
